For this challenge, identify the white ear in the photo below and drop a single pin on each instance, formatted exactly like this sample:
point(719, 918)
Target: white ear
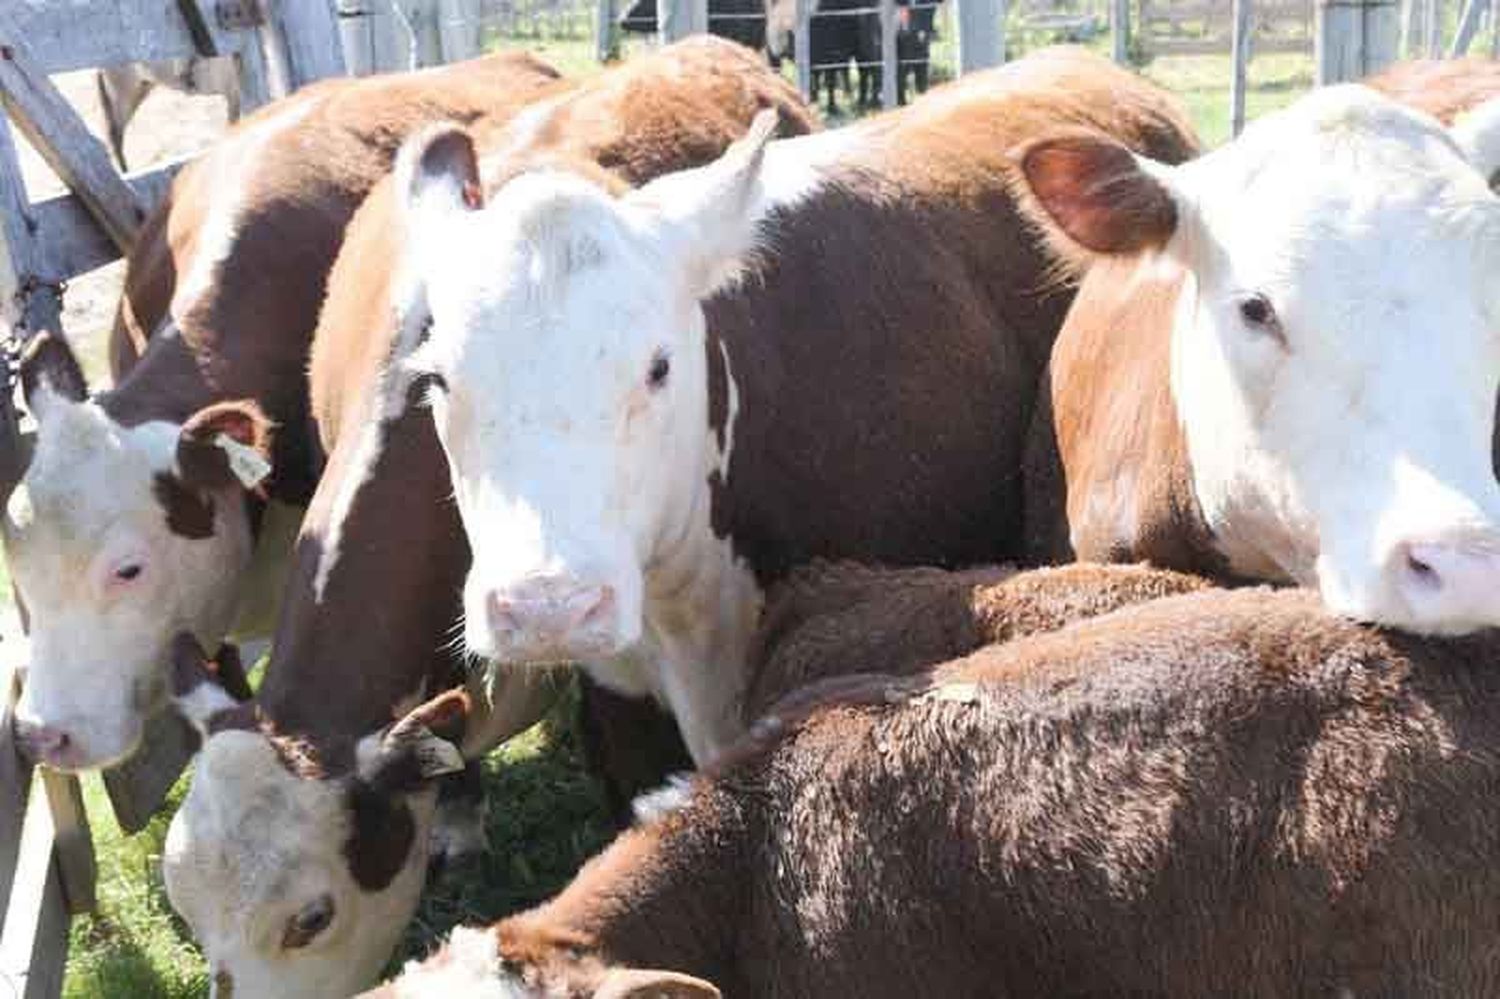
point(1477, 132)
point(706, 216)
point(437, 171)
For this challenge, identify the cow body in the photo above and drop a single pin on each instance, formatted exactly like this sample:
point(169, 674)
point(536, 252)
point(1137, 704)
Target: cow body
point(1226, 792)
point(115, 546)
point(821, 408)
point(1236, 389)
point(368, 621)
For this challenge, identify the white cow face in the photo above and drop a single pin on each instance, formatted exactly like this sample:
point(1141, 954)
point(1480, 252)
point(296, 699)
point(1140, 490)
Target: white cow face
point(1336, 347)
point(568, 380)
point(118, 538)
point(295, 883)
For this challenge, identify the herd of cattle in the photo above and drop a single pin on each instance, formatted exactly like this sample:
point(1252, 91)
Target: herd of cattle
point(481, 362)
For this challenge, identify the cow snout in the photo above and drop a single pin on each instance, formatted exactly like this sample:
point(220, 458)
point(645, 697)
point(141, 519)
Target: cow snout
point(552, 618)
point(1448, 585)
point(44, 744)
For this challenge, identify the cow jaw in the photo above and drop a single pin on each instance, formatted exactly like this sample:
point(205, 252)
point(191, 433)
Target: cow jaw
point(92, 510)
point(1339, 428)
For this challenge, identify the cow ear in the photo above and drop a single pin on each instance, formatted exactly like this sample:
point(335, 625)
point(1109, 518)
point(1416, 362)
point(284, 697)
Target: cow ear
point(646, 983)
point(437, 170)
point(50, 373)
point(421, 746)
point(212, 694)
point(1097, 193)
point(1477, 133)
point(706, 216)
point(224, 445)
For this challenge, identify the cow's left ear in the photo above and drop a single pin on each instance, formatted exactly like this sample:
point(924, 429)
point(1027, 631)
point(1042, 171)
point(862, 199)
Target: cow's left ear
point(421, 746)
point(437, 171)
point(706, 217)
point(224, 445)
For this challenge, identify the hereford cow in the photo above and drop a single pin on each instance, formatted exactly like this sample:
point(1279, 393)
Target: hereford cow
point(122, 88)
point(1222, 793)
point(143, 505)
point(1283, 362)
point(368, 622)
point(633, 468)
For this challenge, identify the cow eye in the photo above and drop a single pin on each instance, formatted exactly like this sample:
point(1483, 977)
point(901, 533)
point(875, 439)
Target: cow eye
point(1257, 311)
point(303, 928)
point(661, 367)
point(128, 572)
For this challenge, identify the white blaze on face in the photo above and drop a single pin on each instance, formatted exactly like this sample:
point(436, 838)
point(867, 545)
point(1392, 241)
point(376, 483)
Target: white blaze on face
point(105, 581)
point(255, 863)
point(568, 365)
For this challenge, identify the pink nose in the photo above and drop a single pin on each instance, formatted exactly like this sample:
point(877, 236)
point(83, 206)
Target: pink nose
point(552, 617)
point(43, 743)
point(1450, 584)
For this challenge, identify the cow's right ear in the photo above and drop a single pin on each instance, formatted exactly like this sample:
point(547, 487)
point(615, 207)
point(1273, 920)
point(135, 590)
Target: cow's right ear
point(50, 373)
point(1097, 194)
point(223, 445)
point(437, 170)
point(212, 694)
point(423, 745)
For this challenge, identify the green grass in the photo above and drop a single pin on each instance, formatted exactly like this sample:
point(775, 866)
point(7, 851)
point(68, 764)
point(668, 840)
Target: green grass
point(544, 816)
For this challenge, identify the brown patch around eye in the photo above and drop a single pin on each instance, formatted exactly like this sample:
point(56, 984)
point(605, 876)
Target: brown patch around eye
point(189, 513)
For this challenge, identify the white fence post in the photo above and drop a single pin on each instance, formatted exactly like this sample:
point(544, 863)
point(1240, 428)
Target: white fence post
point(1119, 24)
point(981, 43)
point(802, 48)
point(1354, 38)
point(1240, 33)
point(890, 65)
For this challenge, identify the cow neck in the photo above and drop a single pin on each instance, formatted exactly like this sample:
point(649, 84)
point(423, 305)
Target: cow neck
point(1123, 453)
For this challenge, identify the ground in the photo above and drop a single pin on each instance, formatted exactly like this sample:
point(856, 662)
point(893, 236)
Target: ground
point(544, 816)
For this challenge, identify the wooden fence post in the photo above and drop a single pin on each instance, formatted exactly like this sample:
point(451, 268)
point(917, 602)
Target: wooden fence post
point(1240, 32)
point(981, 41)
point(1432, 27)
point(677, 19)
point(1354, 38)
point(606, 31)
point(1468, 26)
point(458, 29)
point(1119, 25)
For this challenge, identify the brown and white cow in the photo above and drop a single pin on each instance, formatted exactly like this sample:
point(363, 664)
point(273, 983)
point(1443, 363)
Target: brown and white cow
point(633, 468)
point(118, 538)
point(368, 621)
point(1231, 792)
point(1283, 361)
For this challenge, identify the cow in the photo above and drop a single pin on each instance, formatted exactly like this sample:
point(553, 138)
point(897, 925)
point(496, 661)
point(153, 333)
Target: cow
point(165, 504)
point(916, 27)
point(122, 88)
point(634, 468)
point(742, 21)
point(1227, 792)
point(1448, 89)
point(373, 595)
point(1282, 363)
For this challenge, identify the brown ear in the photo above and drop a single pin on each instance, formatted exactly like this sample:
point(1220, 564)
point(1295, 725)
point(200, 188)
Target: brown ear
point(50, 363)
point(226, 444)
point(421, 746)
point(1096, 192)
point(644, 983)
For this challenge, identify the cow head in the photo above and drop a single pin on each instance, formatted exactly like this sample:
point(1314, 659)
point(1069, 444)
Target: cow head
point(295, 882)
point(118, 538)
point(567, 369)
point(1335, 350)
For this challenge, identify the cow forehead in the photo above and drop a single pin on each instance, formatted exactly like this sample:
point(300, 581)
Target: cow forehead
point(87, 469)
point(250, 825)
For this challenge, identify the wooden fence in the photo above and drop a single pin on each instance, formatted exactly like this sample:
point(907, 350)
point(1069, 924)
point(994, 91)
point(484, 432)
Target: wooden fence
point(46, 855)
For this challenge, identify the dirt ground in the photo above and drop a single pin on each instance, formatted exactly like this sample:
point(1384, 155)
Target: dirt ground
point(168, 125)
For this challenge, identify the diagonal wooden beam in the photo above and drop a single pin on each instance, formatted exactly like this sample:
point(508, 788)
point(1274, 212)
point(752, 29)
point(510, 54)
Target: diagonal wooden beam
point(44, 116)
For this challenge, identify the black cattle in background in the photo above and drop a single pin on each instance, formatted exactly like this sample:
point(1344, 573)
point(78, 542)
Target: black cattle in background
point(726, 18)
point(916, 28)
